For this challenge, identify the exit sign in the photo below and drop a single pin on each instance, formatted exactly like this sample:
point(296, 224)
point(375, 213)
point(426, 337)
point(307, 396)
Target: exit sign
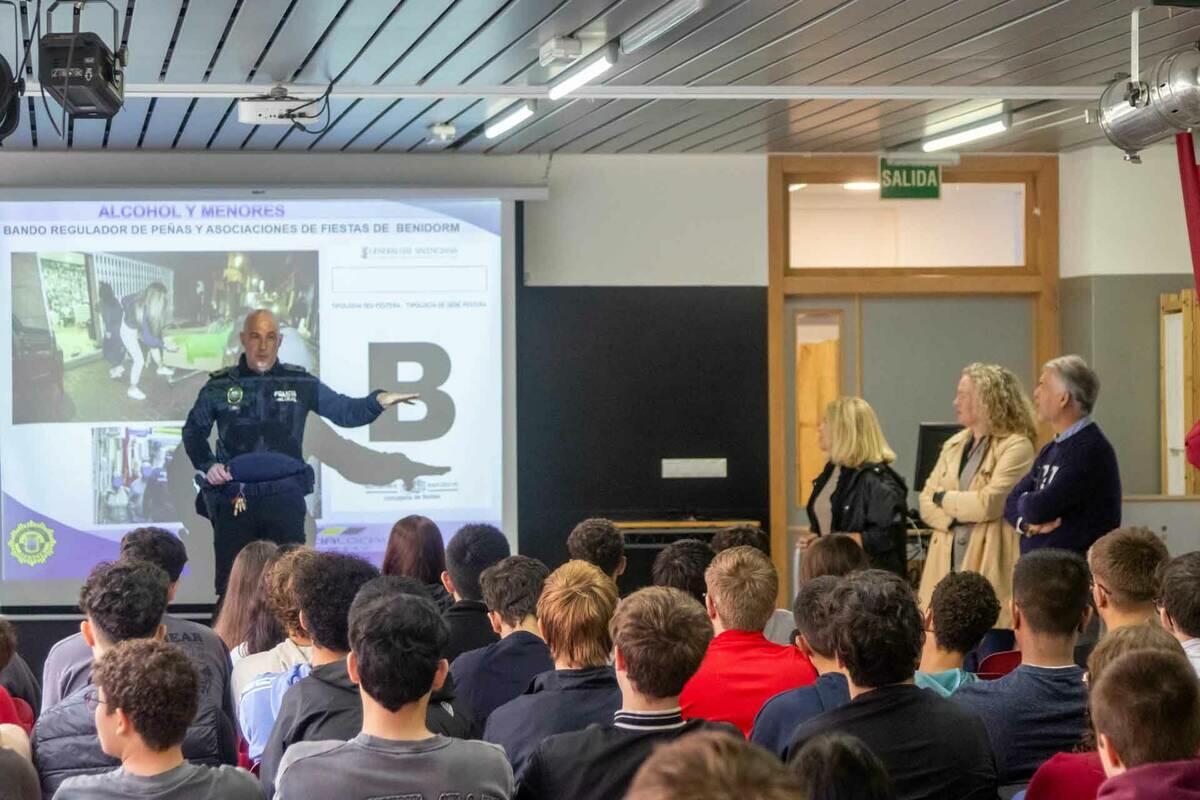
point(909, 181)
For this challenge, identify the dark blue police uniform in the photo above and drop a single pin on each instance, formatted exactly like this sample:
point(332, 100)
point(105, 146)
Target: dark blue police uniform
point(260, 431)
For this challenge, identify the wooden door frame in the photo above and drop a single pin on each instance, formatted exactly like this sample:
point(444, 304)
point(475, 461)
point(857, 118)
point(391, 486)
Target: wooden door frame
point(1037, 279)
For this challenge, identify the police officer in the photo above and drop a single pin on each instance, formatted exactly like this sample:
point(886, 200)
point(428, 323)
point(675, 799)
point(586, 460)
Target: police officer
point(254, 486)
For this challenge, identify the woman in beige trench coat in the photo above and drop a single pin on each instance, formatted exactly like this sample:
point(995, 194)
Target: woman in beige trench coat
point(963, 498)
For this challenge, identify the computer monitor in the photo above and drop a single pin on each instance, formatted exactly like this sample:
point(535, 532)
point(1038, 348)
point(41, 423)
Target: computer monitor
point(930, 439)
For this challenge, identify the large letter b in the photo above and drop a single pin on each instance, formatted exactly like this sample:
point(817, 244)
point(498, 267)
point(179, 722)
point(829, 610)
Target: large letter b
point(435, 369)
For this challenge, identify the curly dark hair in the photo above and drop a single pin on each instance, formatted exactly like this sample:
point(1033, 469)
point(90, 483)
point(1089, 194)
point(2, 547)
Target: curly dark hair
point(681, 565)
point(125, 599)
point(878, 630)
point(8, 642)
point(598, 541)
point(472, 550)
point(813, 611)
point(398, 640)
point(964, 607)
point(835, 766)
point(512, 587)
point(158, 546)
point(325, 588)
point(155, 685)
point(741, 536)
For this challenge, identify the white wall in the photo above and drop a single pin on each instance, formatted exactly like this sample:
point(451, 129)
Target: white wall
point(1119, 218)
point(658, 220)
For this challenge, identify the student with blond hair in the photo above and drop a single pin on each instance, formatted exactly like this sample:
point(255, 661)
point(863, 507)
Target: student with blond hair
point(858, 493)
point(741, 669)
point(577, 604)
point(964, 495)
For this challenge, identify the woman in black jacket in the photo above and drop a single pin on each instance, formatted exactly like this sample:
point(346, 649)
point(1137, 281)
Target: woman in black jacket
point(858, 493)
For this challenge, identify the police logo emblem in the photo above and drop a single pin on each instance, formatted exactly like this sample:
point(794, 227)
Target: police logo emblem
point(31, 543)
point(233, 395)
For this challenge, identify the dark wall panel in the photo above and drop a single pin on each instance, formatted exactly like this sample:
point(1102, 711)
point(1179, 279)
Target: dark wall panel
point(612, 380)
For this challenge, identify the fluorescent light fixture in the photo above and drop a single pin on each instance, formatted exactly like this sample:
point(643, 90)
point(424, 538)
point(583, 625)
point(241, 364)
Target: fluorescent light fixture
point(593, 69)
point(861, 186)
point(658, 23)
point(510, 119)
point(795, 187)
point(981, 131)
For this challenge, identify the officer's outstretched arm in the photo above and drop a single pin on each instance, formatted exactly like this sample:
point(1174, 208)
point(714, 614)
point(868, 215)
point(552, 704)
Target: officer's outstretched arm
point(348, 412)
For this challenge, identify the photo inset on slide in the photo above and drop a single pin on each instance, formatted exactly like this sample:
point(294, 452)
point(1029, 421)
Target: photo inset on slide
point(133, 336)
point(129, 474)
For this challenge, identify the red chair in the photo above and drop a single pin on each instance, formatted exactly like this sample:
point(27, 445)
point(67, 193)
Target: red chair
point(997, 665)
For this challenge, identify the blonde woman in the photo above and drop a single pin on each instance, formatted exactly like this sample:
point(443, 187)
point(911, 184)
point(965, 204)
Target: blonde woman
point(858, 493)
point(963, 499)
point(142, 325)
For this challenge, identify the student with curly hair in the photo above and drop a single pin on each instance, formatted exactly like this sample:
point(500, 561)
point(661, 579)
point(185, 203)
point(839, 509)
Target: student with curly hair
point(963, 609)
point(599, 542)
point(144, 696)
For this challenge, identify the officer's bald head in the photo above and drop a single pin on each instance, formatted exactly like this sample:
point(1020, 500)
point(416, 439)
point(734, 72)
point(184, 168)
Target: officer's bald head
point(260, 339)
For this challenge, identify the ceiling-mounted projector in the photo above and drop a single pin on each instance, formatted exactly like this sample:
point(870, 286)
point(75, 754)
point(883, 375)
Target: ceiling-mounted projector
point(80, 71)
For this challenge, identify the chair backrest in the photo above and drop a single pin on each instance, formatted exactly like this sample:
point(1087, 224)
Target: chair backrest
point(997, 665)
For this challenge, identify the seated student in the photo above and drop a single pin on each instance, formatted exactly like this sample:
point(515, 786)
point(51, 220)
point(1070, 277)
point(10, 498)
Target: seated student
point(577, 603)
point(20, 779)
point(742, 670)
point(145, 695)
point(1180, 603)
point(261, 679)
point(712, 765)
point(833, 554)
point(472, 550)
point(1125, 581)
point(1039, 708)
point(325, 704)
point(13, 711)
point(931, 747)
point(779, 627)
point(20, 682)
point(600, 542)
point(786, 711)
point(659, 637)
point(489, 677)
point(681, 565)
point(245, 622)
point(962, 609)
point(840, 767)
point(1146, 712)
point(120, 601)
point(1078, 775)
point(396, 641)
point(69, 665)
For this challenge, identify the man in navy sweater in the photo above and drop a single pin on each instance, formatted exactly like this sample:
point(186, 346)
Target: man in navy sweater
point(1072, 495)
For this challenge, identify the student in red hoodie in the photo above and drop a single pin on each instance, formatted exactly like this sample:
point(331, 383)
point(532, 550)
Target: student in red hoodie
point(1078, 775)
point(1146, 711)
point(742, 670)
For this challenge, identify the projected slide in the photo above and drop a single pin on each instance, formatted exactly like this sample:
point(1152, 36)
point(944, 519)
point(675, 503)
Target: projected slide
point(120, 310)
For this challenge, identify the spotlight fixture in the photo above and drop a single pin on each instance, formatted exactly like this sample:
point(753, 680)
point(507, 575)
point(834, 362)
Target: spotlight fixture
point(79, 70)
point(510, 119)
point(669, 16)
point(971, 133)
point(1136, 114)
point(594, 68)
point(861, 186)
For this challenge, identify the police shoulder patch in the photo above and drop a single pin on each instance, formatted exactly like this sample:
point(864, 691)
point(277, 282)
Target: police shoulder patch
point(293, 368)
point(221, 373)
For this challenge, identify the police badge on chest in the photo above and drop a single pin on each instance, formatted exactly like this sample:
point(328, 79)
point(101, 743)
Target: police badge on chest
point(285, 396)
